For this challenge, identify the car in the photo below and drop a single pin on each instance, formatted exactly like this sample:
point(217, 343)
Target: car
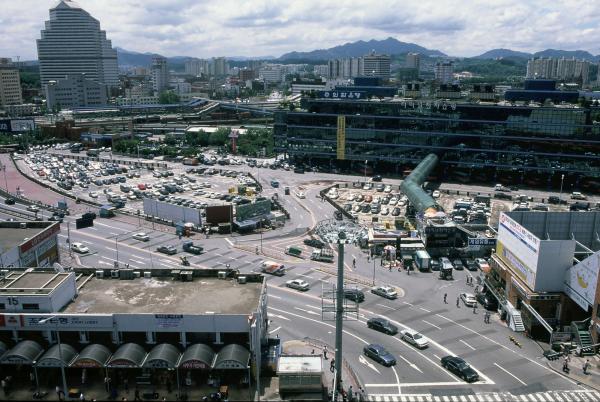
point(387, 188)
point(470, 264)
point(385, 291)
point(576, 195)
point(80, 248)
point(355, 295)
point(315, 243)
point(396, 211)
point(385, 211)
point(482, 264)
point(414, 338)
point(459, 367)
point(468, 299)
point(93, 194)
point(434, 264)
point(33, 208)
point(488, 301)
point(298, 284)
point(458, 264)
point(366, 208)
point(377, 178)
point(169, 250)
point(379, 188)
point(503, 196)
point(379, 354)
point(300, 194)
point(435, 194)
point(9, 201)
point(141, 236)
point(382, 325)
point(553, 199)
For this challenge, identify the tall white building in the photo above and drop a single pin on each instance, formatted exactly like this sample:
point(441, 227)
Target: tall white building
point(413, 60)
point(444, 72)
point(345, 68)
point(196, 67)
point(160, 74)
point(272, 73)
point(560, 69)
point(377, 65)
point(73, 43)
point(321, 70)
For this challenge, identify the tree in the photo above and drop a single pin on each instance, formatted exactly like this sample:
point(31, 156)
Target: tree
point(168, 97)
point(219, 137)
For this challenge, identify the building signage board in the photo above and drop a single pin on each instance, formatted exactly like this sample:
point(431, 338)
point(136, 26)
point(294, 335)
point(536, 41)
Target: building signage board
point(194, 364)
point(16, 125)
point(522, 270)
point(483, 241)
point(86, 363)
point(342, 94)
point(341, 137)
point(63, 321)
point(581, 281)
point(518, 241)
point(438, 104)
point(168, 320)
point(29, 244)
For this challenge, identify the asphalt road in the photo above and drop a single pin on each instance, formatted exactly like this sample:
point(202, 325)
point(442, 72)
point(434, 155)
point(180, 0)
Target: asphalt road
point(503, 367)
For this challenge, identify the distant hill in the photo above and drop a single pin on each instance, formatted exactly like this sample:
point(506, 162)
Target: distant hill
point(389, 46)
point(503, 54)
point(578, 54)
point(128, 58)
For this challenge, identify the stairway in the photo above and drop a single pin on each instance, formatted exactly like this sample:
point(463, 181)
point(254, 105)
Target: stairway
point(516, 322)
point(583, 337)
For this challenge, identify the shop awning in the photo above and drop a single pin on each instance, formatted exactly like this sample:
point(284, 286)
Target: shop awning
point(54, 356)
point(232, 356)
point(197, 356)
point(164, 355)
point(129, 355)
point(24, 352)
point(92, 356)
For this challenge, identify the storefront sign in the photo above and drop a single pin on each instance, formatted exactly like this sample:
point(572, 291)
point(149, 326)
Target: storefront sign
point(484, 241)
point(518, 267)
point(156, 363)
point(342, 94)
point(168, 320)
point(86, 363)
point(195, 364)
point(53, 230)
point(416, 104)
point(517, 230)
point(576, 297)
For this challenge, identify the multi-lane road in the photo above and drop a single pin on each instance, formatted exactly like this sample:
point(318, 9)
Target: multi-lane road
point(506, 371)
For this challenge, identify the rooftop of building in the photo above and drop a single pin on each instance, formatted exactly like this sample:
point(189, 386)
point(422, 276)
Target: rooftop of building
point(165, 295)
point(30, 282)
point(13, 234)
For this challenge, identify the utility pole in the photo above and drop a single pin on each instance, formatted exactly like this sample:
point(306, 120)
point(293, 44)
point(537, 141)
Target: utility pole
point(339, 314)
point(69, 239)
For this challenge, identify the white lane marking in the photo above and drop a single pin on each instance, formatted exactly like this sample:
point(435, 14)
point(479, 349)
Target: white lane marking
point(411, 364)
point(364, 361)
point(275, 297)
point(413, 384)
point(91, 228)
point(306, 311)
point(111, 249)
point(424, 309)
point(229, 241)
point(407, 303)
point(383, 305)
point(436, 356)
point(114, 234)
point(137, 256)
point(509, 373)
point(138, 261)
point(433, 325)
point(397, 380)
point(274, 330)
point(466, 344)
point(313, 307)
point(279, 316)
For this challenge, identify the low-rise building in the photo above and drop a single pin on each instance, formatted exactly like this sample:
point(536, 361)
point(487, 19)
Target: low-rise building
point(75, 91)
point(28, 244)
point(25, 109)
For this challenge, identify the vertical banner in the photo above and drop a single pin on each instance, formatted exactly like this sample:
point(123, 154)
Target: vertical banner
point(341, 137)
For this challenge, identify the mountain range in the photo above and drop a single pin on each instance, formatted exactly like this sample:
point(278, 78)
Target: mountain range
point(389, 46)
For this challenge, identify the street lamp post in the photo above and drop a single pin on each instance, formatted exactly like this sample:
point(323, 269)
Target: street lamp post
point(339, 313)
point(60, 355)
point(366, 170)
point(562, 178)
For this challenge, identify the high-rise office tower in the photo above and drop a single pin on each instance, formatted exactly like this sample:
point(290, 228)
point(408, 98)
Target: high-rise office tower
point(413, 60)
point(376, 65)
point(73, 43)
point(160, 74)
point(10, 84)
point(444, 72)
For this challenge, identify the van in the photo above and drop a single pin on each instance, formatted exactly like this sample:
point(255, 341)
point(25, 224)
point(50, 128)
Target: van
point(293, 251)
point(446, 264)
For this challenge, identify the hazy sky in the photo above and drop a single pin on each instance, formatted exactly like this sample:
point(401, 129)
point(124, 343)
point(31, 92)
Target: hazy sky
point(258, 28)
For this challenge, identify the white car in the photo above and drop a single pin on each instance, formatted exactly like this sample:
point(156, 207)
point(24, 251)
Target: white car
point(298, 284)
point(33, 208)
point(384, 211)
point(385, 291)
point(80, 248)
point(300, 194)
point(350, 197)
point(141, 236)
point(93, 194)
point(387, 188)
point(393, 201)
point(436, 194)
point(414, 338)
point(468, 299)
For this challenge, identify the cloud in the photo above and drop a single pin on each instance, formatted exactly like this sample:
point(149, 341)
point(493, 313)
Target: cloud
point(205, 28)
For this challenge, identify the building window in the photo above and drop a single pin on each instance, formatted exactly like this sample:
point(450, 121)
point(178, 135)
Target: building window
point(2, 306)
point(31, 306)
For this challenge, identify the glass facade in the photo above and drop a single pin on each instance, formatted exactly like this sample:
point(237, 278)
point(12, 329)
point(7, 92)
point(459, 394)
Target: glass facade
point(531, 145)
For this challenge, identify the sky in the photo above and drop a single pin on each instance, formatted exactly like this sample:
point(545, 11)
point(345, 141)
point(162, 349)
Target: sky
point(255, 28)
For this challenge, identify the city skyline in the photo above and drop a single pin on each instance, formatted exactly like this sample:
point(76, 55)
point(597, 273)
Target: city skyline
point(189, 28)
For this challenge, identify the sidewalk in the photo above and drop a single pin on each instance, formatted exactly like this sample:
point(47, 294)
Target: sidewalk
point(592, 379)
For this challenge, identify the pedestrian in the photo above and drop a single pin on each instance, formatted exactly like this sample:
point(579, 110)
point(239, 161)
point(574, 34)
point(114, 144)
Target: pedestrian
point(475, 308)
point(59, 393)
point(113, 393)
point(332, 365)
point(350, 394)
point(81, 397)
point(445, 298)
point(32, 379)
point(137, 395)
point(457, 302)
point(107, 384)
point(353, 262)
point(4, 385)
point(390, 267)
point(586, 366)
point(83, 376)
point(565, 367)
point(325, 353)
point(363, 394)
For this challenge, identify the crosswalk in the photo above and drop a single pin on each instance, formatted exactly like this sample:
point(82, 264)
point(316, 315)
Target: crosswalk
point(548, 396)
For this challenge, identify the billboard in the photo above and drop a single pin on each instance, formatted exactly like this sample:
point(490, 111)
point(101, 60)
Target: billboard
point(219, 214)
point(341, 137)
point(16, 125)
point(172, 212)
point(518, 266)
point(342, 94)
point(581, 281)
point(518, 241)
point(248, 211)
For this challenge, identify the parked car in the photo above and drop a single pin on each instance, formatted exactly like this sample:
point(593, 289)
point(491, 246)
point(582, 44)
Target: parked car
point(33, 208)
point(459, 367)
point(377, 178)
point(316, 243)
point(385, 291)
point(382, 325)
point(458, 264)
point(470, 264)
point(468, 299)
point(298, 284)
point(354, 294)
point(414, 338)
point(167, 249)
point(141, 236)
point(435, 194)
point(576, 195)
point(488, 301)
point(80, 248)
point(9, 201)
point(379, 354)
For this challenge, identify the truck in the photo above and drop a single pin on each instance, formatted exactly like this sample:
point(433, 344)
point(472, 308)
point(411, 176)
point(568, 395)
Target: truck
point(190, 247)
point(190, 161)
point(293, 251)
point(272, 268)
point(107, 211)
point(322, 254)
point(423, 259)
